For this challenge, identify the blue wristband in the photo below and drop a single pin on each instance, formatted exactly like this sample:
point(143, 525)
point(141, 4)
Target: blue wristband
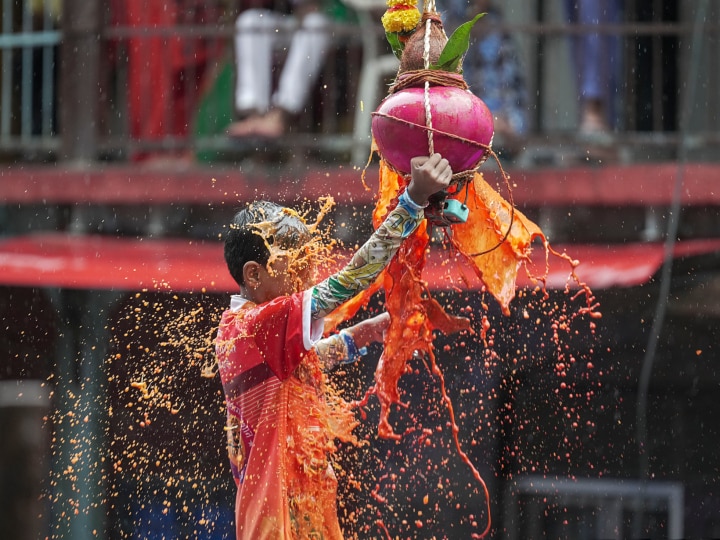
point(411, 206)
point(353, 353)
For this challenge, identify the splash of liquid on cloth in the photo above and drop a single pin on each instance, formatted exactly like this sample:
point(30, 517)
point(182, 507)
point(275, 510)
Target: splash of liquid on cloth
point(416, 315)
point(320, 419)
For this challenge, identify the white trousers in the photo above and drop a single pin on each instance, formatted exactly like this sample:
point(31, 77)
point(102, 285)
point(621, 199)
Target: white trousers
point(258, 33)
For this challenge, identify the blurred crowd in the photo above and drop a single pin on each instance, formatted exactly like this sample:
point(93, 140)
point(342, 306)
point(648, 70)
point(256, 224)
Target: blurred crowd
point(181, 70)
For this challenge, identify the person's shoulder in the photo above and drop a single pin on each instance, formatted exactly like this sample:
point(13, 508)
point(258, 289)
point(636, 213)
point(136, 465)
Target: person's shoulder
point(278, 304)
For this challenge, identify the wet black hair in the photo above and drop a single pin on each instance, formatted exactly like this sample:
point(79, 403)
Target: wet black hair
point(243, 243)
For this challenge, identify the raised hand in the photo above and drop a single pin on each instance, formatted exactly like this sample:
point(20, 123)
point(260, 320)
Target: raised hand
point(428, 176)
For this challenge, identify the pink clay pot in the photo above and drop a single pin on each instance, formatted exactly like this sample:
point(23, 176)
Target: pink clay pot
point(454, 110)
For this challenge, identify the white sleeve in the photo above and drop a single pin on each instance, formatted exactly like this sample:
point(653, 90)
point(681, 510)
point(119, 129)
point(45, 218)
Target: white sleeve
point(312, 328)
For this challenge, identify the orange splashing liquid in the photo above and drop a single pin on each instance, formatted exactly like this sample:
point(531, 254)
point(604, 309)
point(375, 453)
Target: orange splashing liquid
point(496, 242)
point(161, 413)
point(164, 420)
point(415, 314)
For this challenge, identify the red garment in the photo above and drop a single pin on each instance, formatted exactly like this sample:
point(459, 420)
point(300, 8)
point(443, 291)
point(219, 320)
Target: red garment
point(165, 71)
point(280, 424)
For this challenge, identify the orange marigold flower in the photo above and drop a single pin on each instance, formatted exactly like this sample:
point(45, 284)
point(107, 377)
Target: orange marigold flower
point(396, 3)
point(400, 19)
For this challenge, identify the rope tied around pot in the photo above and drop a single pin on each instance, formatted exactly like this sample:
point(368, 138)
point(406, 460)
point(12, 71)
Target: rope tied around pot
point(422, 50)
point(434, 77)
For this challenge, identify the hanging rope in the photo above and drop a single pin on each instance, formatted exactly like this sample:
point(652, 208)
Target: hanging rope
point(488, 148)
point(411, 77)
point(426, 65)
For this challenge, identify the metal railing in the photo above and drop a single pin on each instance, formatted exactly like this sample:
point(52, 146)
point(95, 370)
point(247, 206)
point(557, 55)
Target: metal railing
point(71, 87)
point(537, 507)
point(28, 54)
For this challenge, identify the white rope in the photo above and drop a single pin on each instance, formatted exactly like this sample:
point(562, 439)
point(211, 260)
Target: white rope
point(426, 44)
point(426, 61)
point(428, 120)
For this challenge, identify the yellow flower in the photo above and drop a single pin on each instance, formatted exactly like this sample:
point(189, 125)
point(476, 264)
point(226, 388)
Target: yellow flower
point(394, 3)
point(402, 18)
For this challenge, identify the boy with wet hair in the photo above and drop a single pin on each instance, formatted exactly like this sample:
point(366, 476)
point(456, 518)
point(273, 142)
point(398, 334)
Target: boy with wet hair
point(283, 420)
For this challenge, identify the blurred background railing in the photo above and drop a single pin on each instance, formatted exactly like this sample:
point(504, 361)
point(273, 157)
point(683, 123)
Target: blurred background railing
point(98, 81)
point(28, 88)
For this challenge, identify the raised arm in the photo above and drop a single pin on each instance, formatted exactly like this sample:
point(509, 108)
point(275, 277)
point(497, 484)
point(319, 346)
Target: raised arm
point(429, 175)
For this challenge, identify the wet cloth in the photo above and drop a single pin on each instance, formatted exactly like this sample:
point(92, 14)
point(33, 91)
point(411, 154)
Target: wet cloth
point(282, 419)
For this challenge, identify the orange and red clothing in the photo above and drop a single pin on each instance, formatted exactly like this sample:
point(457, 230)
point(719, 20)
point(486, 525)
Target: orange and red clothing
point(283, 420)
point(277, 420)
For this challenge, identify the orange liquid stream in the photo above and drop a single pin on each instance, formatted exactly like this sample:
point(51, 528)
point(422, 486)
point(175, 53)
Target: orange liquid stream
point(496, 241)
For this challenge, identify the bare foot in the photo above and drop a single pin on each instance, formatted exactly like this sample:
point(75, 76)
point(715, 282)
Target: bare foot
point(245, 127)
point(270, 125)
point(593, 117)
point(593, 124)
point(273, 124)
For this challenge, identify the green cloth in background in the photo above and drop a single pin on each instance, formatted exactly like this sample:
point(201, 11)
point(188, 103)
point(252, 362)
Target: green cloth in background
point(216, 111)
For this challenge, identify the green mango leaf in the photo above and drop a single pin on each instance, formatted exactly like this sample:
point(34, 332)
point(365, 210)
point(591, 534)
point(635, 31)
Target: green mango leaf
point(395, 43)
point(456, 47)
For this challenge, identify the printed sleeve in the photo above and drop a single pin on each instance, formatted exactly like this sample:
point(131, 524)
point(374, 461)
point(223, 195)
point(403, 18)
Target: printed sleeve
point(369, 260)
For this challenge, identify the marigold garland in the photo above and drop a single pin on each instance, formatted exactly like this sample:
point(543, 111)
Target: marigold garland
point(401, 16)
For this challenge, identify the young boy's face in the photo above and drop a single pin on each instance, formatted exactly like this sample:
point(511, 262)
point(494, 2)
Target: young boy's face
point(284, 276)
point(296, 254)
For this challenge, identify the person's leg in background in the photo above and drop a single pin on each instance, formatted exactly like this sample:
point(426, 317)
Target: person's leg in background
point(265, 113)
point(596, 62)
point(150, 71)
point(308, 51)
point(256, 33)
